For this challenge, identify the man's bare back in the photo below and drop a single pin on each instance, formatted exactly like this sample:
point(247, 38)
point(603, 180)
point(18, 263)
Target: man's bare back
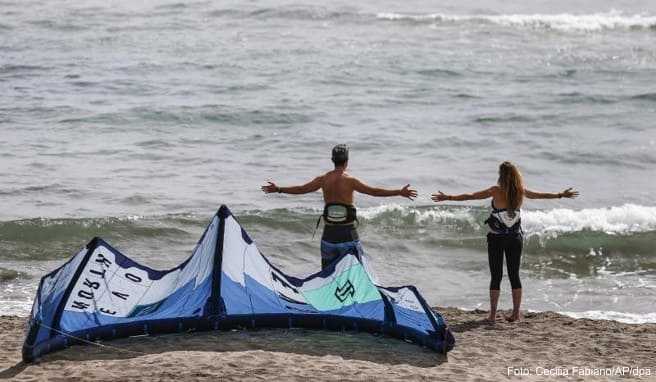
point(337, 185)
point(340, 234)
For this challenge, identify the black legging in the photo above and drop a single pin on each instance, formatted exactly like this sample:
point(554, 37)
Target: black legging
point(512, 246)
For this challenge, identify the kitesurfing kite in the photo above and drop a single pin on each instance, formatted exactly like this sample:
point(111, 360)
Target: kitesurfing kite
point(100, 294)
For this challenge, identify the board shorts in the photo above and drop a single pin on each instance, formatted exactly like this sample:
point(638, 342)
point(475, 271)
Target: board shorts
point(337, 240)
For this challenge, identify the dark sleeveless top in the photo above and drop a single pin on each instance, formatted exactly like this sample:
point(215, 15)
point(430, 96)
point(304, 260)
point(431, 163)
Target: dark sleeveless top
point(502, 222)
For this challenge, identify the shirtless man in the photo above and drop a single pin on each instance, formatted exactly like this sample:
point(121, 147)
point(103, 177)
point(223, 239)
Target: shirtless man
point(339, 234)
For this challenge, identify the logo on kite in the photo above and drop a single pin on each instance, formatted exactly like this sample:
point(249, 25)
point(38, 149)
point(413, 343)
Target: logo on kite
point(342, 293)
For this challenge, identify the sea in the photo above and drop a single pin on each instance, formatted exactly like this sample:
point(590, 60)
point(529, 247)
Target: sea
point(134, 121)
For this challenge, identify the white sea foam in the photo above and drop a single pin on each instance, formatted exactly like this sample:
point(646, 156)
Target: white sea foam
point(422, 215)
point(563, 21)
point(628, 318)
point(617, 220)
point(626, 219)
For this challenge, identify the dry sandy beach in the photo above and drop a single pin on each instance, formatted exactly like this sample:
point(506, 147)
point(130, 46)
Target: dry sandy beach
point(483, 352)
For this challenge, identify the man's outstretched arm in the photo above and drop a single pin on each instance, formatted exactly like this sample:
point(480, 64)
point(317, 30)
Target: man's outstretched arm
point(406, 191)
point(311, 186)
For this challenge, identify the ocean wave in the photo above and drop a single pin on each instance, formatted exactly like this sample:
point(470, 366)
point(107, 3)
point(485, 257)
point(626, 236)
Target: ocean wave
point(43, 239)
point(13, 68)
point(219, 114)
point(621, 220)
point(641, 160)
point(8, 274)
point(469, 216)
point(505, 118)
point(562, 22)
point(611, 20)
point(54, 188)
point(645, 97)
point(439, 73)
point(558, 243)
point(618, 220)
point(578, 97)
point(598, 237)
point(287, 12)
point(58, 25)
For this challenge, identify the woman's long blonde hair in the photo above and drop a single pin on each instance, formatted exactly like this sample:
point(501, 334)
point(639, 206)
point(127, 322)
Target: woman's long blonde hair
point(511, 183)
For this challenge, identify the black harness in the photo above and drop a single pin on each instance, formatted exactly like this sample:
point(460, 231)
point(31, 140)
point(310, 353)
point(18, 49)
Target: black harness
point(338, 214)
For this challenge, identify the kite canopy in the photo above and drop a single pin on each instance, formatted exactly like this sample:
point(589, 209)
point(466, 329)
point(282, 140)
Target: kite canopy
point(226, 283)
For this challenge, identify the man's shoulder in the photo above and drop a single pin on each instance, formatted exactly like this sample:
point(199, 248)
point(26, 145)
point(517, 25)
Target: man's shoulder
point(348, 177)
point(331, 173)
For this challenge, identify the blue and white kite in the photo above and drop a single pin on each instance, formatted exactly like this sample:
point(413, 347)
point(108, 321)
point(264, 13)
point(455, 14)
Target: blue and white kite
point(100, 294)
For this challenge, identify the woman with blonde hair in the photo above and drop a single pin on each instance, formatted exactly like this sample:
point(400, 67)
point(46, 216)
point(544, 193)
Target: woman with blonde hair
point(505, 232)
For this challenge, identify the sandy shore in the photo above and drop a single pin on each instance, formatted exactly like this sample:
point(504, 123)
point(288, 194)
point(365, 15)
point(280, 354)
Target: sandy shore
point(483, 352)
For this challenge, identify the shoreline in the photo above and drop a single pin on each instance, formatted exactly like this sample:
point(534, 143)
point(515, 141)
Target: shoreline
point(596, 315)
point(543, 342)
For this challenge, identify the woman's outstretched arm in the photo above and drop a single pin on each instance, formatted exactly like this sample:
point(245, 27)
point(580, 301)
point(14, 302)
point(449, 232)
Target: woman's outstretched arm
point(568, 193)
point(484, 194)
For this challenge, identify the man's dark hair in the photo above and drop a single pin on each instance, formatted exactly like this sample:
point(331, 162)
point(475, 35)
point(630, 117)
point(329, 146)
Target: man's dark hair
point(340, 155)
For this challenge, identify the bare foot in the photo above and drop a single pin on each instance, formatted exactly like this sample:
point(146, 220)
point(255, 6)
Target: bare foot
point(514, 317)
point(491, 319)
